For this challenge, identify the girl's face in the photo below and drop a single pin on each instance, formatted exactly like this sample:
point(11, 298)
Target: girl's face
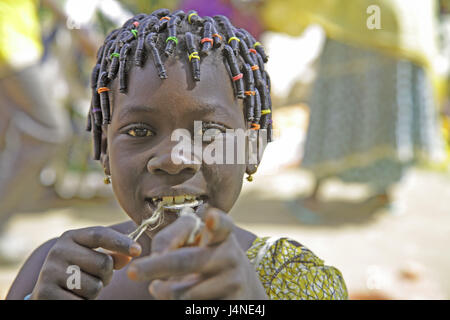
point(138, 140)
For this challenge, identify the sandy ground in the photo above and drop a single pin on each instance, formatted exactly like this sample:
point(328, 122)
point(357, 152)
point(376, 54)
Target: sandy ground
point(401, 254)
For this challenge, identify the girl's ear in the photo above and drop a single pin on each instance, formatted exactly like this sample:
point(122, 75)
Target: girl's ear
point(261, 138)
point(104, 155)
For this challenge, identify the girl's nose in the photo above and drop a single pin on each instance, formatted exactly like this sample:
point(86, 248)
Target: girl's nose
point(172, 164)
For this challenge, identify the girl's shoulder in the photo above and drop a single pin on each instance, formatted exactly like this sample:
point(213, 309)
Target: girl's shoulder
point(289, 270)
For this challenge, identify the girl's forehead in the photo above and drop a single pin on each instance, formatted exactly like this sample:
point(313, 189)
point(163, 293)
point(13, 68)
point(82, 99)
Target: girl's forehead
point(179, 93)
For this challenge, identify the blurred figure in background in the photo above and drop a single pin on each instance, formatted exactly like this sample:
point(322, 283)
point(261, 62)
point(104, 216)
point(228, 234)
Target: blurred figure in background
point(32, 128)
point(373, 107)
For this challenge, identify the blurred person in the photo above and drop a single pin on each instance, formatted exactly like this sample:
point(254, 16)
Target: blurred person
point(32, 127)
point(373, 106)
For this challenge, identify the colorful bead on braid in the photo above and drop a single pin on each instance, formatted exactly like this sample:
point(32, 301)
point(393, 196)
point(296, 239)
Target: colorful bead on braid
point(263, 112)
point(136, 24)
point(114, 54)
point(255, 67)
point(252, 51)
point(194, 55)
point(102, 89)
point(218, 36)
point(255, 126)
point(174, 39)
point(257, 44)
point(238, 77)
point(134, 32)
point(250, 93)
point(164, 18)
point(191, 15)
point(234, 38)
point(210, 40)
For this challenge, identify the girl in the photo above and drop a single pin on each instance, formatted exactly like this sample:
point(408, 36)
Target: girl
point(147, 83)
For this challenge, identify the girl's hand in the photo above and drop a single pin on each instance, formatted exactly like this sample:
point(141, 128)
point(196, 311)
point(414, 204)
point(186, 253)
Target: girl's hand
point(76, 247)
point(216, 269)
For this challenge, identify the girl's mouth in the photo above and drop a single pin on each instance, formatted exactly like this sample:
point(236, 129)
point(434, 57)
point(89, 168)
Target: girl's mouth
point(176, 203)
point(159, 205)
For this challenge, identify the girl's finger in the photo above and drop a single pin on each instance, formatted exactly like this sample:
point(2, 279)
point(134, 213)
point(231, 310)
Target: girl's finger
point(219, 226)
point(174, 235)
point(179, 262)
point(107, 238)
point(216, 287)
point(173, 288)
point(94, 262)
point(119, 260)
point(87, 286)
point(53, 292)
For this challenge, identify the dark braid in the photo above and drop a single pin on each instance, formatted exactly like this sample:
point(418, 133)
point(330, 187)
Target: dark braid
point(150, 41)
point(172, 39)
point(235, 72)
point(229, 30)
point(193, 56)
point(163, 34)
point(122, 70)
point(216, 36)
point(207, 41)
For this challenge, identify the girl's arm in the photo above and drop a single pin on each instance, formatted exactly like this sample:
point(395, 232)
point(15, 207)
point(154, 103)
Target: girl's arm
point(44, 274)
point(29, 273)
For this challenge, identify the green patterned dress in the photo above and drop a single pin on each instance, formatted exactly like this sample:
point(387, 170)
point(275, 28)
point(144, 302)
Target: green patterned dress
point(290, 271)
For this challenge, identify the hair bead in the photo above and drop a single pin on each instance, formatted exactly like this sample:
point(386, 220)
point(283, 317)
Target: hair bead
point(194, 58)
point(192, 15)
point(102, 89)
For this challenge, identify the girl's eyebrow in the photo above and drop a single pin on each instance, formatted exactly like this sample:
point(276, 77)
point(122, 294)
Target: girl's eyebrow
point(135, 108)
point(202, 109)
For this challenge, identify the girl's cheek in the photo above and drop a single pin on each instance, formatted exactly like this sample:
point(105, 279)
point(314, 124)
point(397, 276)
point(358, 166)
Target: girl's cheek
point(224, 183)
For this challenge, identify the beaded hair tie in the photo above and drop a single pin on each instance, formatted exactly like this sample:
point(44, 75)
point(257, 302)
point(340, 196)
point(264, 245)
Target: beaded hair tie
point(102, 89)
point(190, 16)
point(239, 76)
point(210, 40)
point(194, 55)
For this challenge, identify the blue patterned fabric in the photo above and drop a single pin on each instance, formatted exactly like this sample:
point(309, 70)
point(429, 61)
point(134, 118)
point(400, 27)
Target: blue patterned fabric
point(371, 116)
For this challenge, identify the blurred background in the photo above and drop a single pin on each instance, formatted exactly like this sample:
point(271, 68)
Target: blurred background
point(359, 171)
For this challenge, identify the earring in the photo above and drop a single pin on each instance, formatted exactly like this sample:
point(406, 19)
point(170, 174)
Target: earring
point(250, 172)
point(107, 179)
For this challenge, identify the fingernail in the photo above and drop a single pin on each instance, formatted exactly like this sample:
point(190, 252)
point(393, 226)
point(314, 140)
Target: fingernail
point(210, 221)
point(132, 272)
point(135, 250)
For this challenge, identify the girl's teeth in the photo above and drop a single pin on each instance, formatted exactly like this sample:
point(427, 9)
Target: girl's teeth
point(179, 199)
point(169, 200)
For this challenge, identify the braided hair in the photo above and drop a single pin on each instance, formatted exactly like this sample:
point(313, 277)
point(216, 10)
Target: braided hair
point(158, 35)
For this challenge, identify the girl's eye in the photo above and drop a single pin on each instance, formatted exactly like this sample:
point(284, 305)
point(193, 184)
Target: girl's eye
point(139, 132)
